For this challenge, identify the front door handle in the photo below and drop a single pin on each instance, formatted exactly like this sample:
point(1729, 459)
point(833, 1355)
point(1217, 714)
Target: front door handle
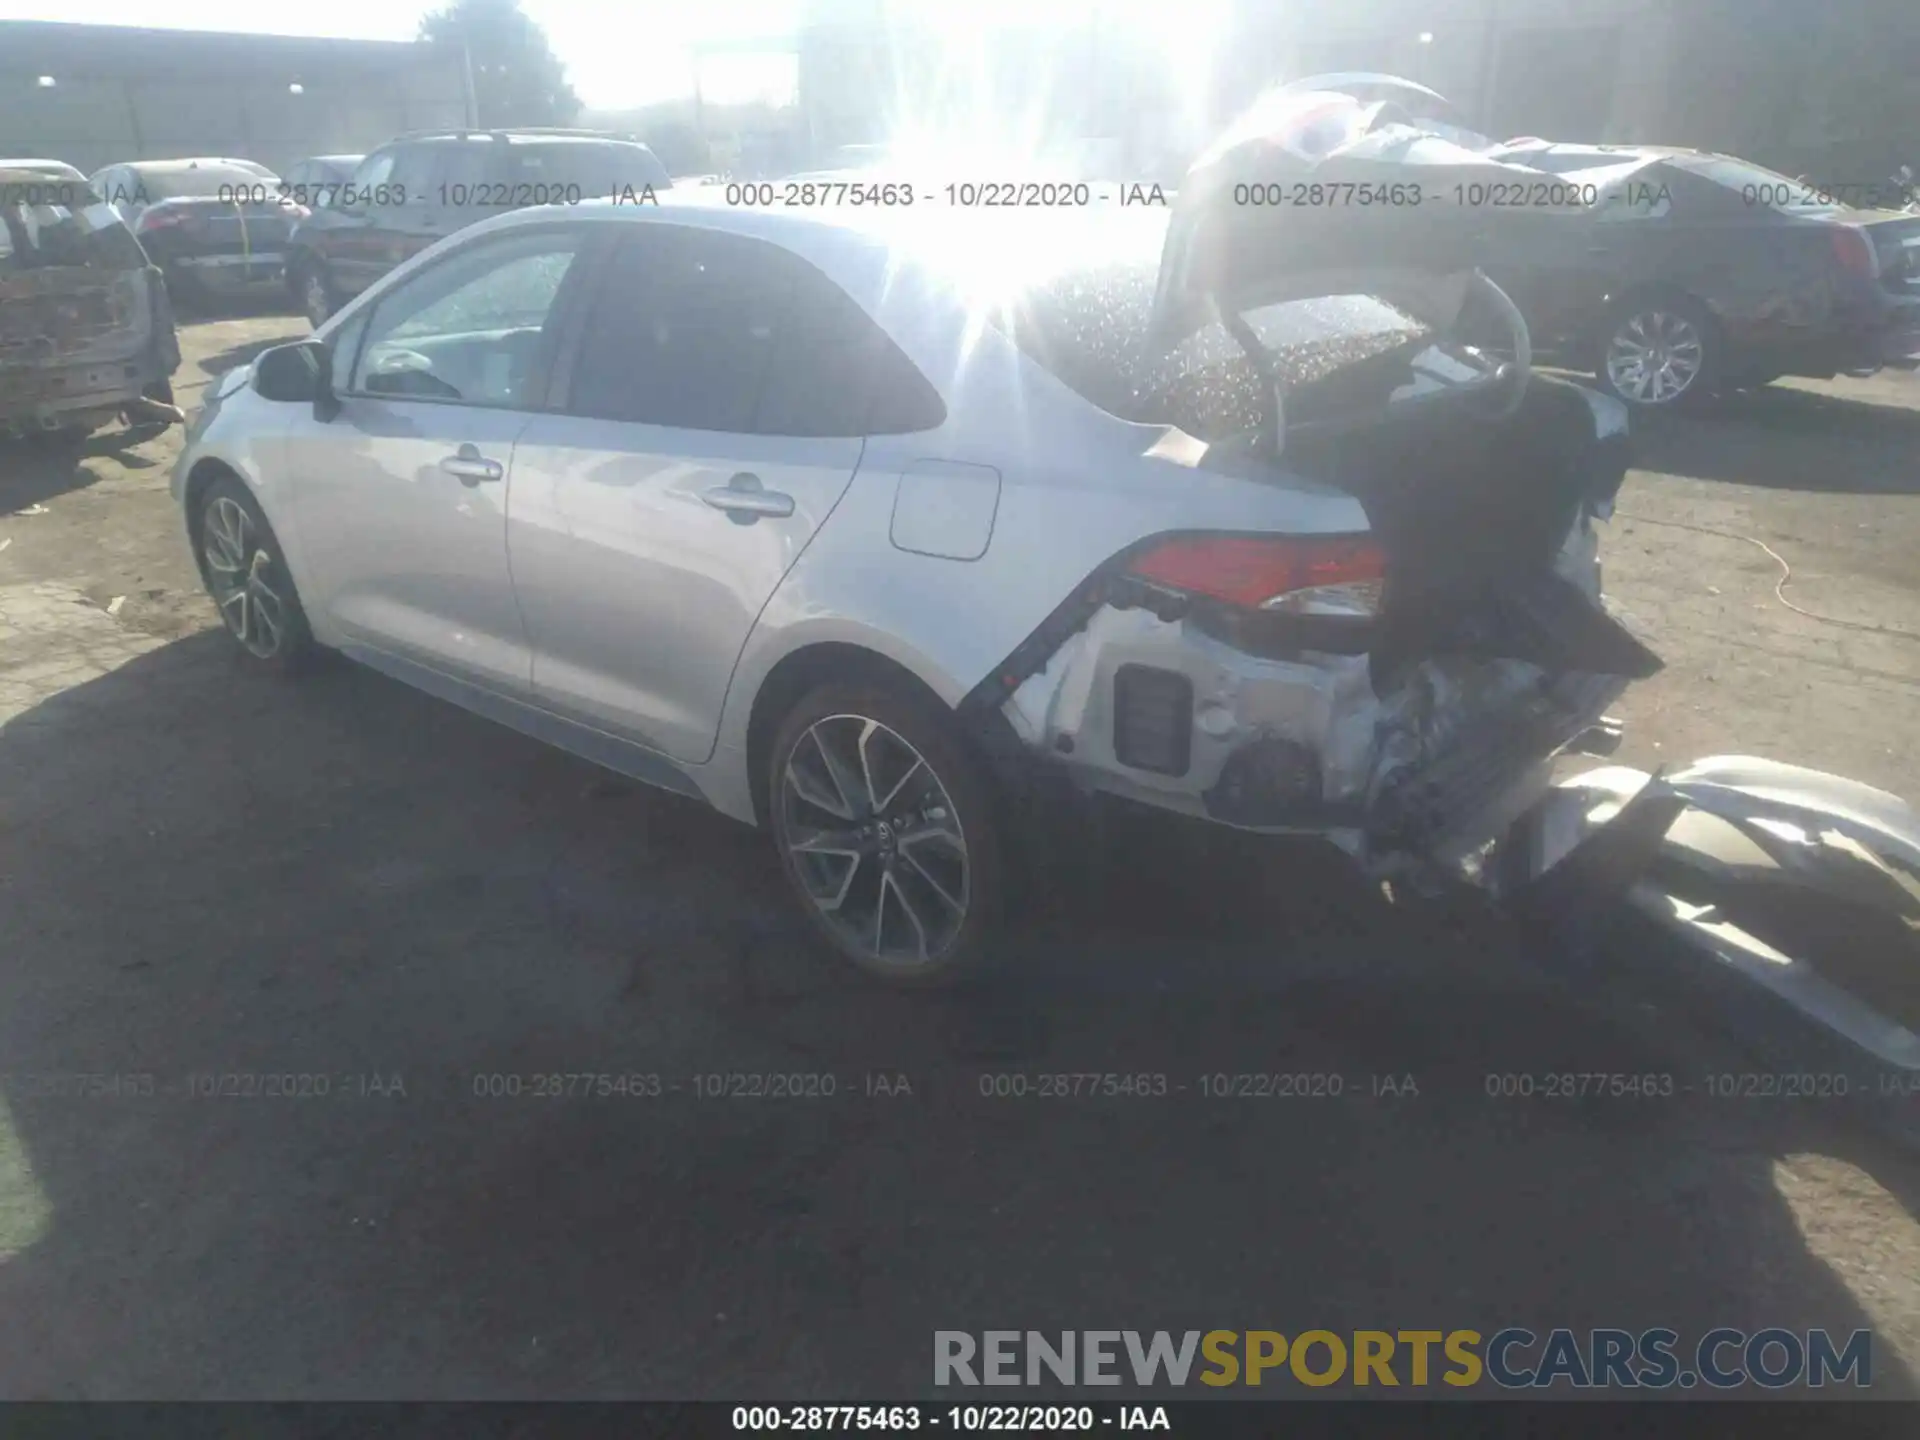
point(745, 500)
point(471, 466)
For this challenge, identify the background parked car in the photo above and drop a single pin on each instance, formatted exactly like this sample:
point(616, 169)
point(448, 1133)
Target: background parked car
point(216, 227)
point(85, 329)
point(420, 188)
point(1684, 272)
point(53, 169)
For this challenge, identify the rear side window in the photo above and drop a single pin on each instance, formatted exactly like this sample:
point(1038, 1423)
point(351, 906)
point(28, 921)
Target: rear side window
point(707, 331)
point(1757, 185)
point(599, 170)
point(835, 372)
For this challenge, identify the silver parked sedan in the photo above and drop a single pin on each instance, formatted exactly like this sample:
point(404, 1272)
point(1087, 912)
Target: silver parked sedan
point(870, 528)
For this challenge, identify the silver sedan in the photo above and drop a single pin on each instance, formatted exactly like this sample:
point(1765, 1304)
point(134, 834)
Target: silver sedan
point(882, 531)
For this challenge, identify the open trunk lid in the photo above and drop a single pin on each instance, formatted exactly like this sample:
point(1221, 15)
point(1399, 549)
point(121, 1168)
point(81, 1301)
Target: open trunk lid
point(214, 226)
point(1480, 481)
point(1317, 192)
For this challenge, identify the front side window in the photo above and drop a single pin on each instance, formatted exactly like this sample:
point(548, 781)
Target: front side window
point(472, 329)
point(416, 169)
point(374, 171)
point(706, 331)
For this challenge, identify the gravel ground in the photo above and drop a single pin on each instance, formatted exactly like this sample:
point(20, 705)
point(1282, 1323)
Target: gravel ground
point(202, 872)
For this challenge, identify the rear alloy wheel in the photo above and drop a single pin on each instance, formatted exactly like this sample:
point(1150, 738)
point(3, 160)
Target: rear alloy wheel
point(1657, 354)
point(887, 833)
point(247, 577)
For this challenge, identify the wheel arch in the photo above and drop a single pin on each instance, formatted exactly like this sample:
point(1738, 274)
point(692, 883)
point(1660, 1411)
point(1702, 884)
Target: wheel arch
point(803, 669)
point(205, 471)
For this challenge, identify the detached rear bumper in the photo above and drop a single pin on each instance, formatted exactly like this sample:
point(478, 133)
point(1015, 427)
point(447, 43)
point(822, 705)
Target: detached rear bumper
point(1710, 852)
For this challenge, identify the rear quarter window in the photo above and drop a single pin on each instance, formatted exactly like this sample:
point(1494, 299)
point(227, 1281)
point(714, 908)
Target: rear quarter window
point(1755, 186)
point(1090, 330)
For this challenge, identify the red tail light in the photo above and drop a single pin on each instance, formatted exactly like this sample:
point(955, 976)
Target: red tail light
point(1294, 574)
point(159, 220)
point(1855, 252)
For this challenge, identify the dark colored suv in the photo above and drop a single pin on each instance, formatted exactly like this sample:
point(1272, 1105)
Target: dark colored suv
point(422, 187)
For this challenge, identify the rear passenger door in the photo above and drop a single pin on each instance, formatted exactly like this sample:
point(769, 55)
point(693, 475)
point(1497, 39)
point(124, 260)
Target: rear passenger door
point(712, 415)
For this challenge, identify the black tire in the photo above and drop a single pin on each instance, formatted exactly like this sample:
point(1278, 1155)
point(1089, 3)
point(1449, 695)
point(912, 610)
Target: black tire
point(1656, 314)
point(253, 618)
point(910, 875)
point(315, 293)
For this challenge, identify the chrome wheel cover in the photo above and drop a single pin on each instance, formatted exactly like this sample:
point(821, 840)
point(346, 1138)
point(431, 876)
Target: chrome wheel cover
point(241, 578)
point(875, 841)
point(1655, 356)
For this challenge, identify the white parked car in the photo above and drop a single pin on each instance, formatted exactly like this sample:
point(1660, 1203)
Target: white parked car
point(879, 529)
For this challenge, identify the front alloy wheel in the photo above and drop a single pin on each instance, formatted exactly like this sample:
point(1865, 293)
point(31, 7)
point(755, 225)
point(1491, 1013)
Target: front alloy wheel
point(243, 579)
point(1655, 356)
point(875, 842)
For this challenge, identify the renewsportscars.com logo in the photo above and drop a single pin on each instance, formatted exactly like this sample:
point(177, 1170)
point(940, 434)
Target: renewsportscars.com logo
point(1513, 1358)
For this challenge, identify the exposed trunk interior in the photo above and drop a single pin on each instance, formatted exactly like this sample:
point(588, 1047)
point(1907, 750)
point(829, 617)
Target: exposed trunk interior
point(1472, 512)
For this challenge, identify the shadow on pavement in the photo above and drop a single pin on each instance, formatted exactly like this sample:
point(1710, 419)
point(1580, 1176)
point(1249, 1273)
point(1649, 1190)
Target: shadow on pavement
point(242, 354)
point(345, 884)
point(36, 470)
point(1778, 437)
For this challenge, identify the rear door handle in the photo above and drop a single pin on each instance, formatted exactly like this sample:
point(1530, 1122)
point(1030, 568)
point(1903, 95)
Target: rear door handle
point(472, 468)
point(745, 500)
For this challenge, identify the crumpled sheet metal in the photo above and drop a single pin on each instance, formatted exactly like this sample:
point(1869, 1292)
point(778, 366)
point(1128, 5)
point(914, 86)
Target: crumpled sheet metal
point(1766, 823)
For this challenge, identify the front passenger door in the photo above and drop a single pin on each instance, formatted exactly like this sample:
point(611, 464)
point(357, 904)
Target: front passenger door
point(400, 501)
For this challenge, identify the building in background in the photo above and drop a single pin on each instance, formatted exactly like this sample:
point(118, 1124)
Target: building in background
point(1827, 89)
point(94, 94)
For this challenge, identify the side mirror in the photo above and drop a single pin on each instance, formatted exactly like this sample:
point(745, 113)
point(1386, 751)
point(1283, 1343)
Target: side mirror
point(298, 373)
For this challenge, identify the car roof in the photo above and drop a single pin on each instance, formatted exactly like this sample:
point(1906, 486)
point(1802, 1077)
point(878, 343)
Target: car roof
point(30, 166)
point(192, 162)
point(966, 247)
point(512, 137)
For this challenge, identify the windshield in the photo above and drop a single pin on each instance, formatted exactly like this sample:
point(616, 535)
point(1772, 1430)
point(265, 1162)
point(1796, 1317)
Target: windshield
point(34, 237)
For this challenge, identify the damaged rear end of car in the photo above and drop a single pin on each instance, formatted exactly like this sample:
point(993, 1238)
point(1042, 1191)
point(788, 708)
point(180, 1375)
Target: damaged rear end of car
point(1402, 689)
point(86, 332)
